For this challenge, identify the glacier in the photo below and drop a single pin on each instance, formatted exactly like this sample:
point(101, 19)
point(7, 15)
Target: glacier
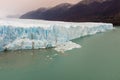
point(17, 34)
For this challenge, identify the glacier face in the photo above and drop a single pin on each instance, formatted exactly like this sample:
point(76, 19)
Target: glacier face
point(34, 34)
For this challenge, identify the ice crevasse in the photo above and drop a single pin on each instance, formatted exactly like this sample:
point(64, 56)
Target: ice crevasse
point(17, 34)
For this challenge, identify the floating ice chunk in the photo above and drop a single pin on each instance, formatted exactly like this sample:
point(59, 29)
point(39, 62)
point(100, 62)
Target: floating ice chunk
point(66, 46)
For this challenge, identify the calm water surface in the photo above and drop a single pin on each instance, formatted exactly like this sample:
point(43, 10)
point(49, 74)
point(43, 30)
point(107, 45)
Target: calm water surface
point(98, 59)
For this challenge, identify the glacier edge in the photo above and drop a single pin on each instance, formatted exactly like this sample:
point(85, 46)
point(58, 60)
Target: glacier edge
point(35, 34)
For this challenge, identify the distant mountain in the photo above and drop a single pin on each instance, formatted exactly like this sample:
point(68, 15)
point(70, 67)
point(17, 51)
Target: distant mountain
point(35, 14)
point(91, 1)
point(84, 11)
point(13, 16)
point(51, 13)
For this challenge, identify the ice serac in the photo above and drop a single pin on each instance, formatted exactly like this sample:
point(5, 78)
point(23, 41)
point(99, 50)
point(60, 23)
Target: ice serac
point(18, 34)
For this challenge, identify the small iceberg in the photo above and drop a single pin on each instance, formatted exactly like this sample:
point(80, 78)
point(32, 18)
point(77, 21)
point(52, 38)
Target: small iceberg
point(66, 46)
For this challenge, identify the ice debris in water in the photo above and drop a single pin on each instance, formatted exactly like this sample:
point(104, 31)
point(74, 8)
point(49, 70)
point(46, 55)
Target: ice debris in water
point(66, 46)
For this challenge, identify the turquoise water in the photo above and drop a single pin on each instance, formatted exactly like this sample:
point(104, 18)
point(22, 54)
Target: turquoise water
point(98, 59)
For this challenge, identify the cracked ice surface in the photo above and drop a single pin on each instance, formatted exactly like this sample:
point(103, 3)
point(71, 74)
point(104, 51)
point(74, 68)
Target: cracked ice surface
point(34, 34)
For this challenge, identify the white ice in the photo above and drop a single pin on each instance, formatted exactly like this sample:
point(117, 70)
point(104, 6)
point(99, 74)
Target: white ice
point(34, 34)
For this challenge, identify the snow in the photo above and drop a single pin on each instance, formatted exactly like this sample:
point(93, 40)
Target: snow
point(18, 34)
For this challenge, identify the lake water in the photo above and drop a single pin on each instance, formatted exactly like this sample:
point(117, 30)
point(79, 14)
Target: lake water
point(98, 59)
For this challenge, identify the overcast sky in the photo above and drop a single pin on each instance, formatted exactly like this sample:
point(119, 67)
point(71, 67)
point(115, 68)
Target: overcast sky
point(9, 7)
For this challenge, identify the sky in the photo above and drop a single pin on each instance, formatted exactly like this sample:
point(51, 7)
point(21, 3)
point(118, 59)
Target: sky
point(14, 7)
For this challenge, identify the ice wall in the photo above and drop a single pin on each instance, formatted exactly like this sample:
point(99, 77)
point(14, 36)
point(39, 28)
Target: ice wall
point(34, 34)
